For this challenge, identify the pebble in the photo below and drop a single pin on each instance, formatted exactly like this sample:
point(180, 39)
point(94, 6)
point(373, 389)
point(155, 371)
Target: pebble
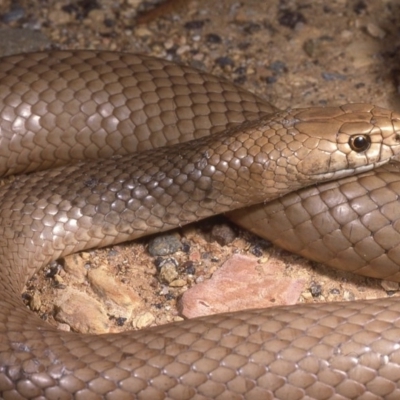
point(187, 267)
point(306, 295)
point(389, 286)
point(182, 50)
point(59, 17)
point(333, 76)
point(59, 282)
point(362, 53)
point(53, 269)
point(178, 283)
point(74, 265)
point(213, 38)
point(224, 62)
point(168, 272)
point(164, 245)
point(315, 289)
point(118, 298)
point(35, 302)
point(291, 19)
point(375, 31)
point(81, 312)
point(223, 234)
point(143, 320)
point(195, 24)
point(142, 32)
point(348, 295)
point(63, 327)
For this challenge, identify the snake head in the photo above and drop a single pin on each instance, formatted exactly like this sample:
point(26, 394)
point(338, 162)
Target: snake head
point(346, 140)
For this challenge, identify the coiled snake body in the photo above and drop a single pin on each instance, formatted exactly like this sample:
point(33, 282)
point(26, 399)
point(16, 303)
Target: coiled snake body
point(62, 106)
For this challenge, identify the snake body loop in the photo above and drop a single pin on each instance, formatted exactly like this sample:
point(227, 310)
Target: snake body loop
point(62, 106)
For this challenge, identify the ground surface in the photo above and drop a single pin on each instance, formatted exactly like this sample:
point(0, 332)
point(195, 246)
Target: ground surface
point(291, 53)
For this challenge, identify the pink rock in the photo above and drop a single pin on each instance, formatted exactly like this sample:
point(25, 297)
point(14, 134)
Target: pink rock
point(241, 283)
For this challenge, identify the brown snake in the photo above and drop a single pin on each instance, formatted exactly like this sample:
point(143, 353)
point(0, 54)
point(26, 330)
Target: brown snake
point(63, 106)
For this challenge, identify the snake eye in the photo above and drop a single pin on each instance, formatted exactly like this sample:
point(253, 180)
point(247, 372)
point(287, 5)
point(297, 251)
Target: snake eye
point(360, 143)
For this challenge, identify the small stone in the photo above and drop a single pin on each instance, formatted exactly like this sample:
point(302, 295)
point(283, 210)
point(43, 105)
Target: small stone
point(278, 67)
point(169, 44)
point(63, 327)
point(143, 320)
point(58, 280)
point(119, 299)
point(165, 244)
point(362, 53)
point(223, 234)
point(168, 272)
point(333, 76)
point(74, 265)
point(195, 24)
point(182, 50)
point(306, 296)
point(35, 302)
point(375, 31)
point(59, 17)
point(85, 255)
point(291, 19)
point(224, 62)
point(315, 289)
point(262, 245)
point(97, 18)
point(390, 286)
point(187, 268)
point(81, 312)
point(213, 38)
point(360, 7)
point(348, 296)
point(178, 283)
point(142, 32)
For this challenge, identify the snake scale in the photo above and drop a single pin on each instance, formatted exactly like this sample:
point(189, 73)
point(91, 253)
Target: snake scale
point(62, 106)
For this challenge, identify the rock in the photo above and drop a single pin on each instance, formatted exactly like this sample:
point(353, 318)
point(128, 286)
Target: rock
point(59, 17)
point(164, 245)
point(223, 234)
point(35, 302)
point(168, 272)
point(389, 286)
point(178, 283)
point(375, 31)
point(119, 299)
point(143, 321)
point(81, 312)
point(74, 265)
point(240, 283)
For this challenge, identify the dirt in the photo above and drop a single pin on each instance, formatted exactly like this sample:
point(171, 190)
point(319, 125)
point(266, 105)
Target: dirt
point(291, 53)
